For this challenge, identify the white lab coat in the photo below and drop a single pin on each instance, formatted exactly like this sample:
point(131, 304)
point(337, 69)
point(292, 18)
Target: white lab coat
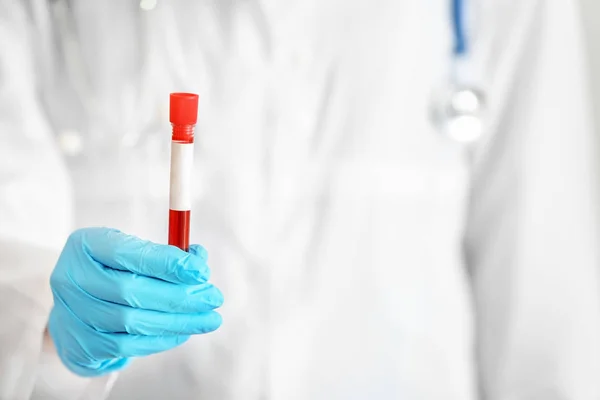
point(361, 254)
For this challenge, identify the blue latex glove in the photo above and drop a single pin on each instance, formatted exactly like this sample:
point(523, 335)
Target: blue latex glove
point(117, 297)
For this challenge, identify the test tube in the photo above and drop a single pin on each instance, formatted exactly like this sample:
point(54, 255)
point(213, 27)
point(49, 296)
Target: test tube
point(183, 115)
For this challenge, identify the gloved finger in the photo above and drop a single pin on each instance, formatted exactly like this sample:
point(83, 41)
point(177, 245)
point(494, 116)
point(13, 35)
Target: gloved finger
point(118, 344)
point(199, 251)
point(126, 288)
point(82, 344)
point(116, 318)
point(69, 335)
point(117, 250)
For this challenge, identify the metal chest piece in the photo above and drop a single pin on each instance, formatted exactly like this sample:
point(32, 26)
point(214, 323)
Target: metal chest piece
point(458, 112)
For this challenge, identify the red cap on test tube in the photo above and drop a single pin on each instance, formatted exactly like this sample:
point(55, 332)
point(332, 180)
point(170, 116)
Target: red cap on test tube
point(183, 114)
point(183, 108)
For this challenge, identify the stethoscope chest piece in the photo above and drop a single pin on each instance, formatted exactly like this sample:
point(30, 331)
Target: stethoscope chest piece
point(457, 112)
point(458, 108)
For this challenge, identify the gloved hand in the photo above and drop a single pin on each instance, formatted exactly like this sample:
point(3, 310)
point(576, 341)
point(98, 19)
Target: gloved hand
point(117, 297)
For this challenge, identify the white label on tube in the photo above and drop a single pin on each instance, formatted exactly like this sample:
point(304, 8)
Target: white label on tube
point(182, 160)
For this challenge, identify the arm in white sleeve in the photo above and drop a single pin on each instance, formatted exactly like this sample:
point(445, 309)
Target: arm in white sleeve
point(35, 219)
point(532, 238)
point(34, 208)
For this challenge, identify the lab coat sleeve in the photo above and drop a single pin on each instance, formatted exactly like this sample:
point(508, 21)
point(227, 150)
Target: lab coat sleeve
point(34, 207)
point(532, 232)
point(35, 218)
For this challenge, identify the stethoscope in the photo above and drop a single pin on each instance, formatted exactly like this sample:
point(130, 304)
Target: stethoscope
point(458, 108)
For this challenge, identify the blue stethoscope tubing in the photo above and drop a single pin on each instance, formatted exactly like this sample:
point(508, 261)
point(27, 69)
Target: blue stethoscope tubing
point(458, 27)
